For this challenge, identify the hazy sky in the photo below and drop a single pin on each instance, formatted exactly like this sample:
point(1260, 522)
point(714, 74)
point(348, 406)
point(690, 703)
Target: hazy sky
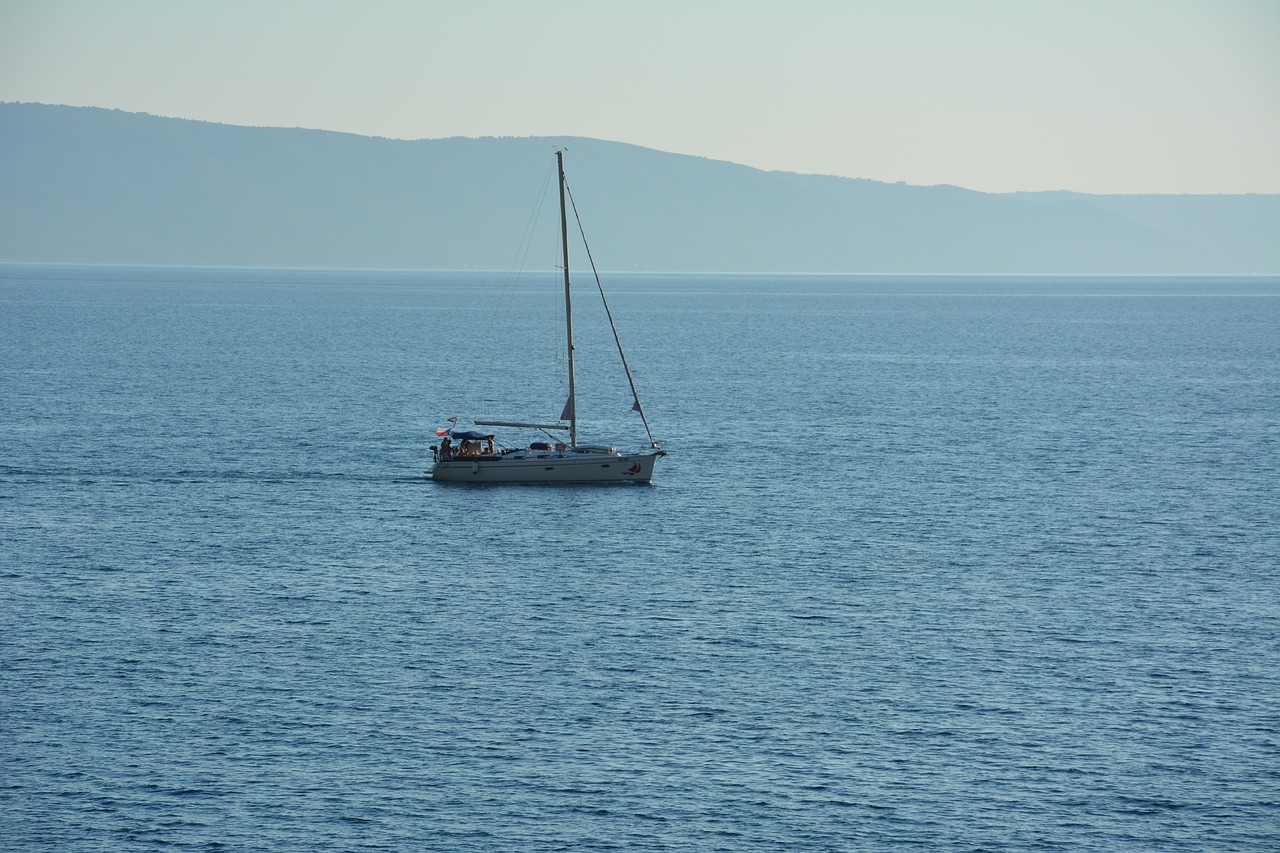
point(1119, 96)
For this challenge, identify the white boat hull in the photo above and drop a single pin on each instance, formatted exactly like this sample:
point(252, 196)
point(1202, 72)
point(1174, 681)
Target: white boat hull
point(553, 468)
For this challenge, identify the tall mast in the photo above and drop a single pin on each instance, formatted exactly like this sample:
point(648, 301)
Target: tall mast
point(570, 408)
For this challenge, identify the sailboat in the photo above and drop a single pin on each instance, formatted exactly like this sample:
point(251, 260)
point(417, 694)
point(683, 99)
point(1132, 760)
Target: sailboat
point(474, 457)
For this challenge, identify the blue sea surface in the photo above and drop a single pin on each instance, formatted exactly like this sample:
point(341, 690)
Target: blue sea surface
point(934, 563)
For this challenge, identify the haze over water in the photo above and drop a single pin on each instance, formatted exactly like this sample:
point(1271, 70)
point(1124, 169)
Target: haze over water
point(934, 563)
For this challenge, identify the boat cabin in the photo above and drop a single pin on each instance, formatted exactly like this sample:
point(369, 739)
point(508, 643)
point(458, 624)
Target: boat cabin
point(540, 450)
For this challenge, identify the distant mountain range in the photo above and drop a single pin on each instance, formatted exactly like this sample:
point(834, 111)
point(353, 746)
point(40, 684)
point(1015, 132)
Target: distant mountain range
point(89, 185)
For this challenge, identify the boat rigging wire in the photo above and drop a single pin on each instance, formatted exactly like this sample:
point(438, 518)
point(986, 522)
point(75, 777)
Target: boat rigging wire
point(622, 355)
point(502, 311)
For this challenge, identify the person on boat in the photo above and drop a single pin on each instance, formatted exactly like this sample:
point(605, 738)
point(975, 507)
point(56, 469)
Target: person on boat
point(446, 451)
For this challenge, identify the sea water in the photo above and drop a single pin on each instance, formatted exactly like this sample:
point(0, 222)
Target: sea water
point(934, 563)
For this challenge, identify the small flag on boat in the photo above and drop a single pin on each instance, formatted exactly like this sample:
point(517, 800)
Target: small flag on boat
point(441, 432)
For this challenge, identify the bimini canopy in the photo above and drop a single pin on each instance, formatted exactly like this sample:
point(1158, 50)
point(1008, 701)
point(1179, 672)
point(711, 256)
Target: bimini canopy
point(469, 435)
